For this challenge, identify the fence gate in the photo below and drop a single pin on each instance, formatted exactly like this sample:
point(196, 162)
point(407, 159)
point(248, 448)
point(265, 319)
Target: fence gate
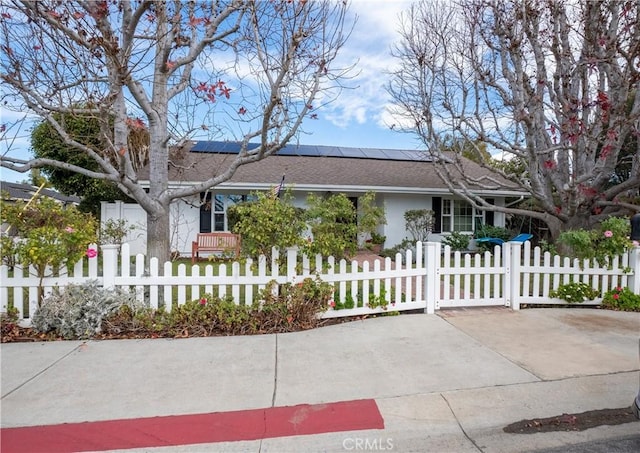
point(462, 279)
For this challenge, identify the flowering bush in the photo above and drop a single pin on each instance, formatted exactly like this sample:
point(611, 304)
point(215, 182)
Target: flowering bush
point(604, 243)
point(621, 299)
point(48, 235)
point(575, 292)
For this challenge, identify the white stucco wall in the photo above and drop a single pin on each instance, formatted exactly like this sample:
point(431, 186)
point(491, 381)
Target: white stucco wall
point(134, 215)
point(184, 224)
point(185, 219)
point(395, 206)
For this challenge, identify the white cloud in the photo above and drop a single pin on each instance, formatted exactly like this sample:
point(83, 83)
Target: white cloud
point(369, 49)
point(378, 17)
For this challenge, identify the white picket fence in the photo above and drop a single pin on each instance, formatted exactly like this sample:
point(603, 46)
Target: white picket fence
point(515, 274)
point(437, 278)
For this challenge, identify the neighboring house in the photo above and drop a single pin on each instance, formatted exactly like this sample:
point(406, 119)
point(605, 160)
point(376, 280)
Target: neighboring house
point(14, 191)
point(402, 180)
point(10, 192)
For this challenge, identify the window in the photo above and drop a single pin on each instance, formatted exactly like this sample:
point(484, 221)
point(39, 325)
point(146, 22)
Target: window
point(458, 215)
point(213, 210)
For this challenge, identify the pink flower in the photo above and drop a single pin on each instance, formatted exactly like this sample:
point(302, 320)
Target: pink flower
point(203, 301)
point(92, 253)
point(69, 229)
point(332, 304)
point(616, 296)
point(608, 234)
point(619, 288)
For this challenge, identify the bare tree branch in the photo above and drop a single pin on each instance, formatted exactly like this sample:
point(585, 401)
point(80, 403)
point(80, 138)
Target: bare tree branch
point(553, 84)
point(157, 68)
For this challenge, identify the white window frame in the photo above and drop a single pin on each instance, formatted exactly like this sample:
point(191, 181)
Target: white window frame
point(225, 203)
point(451, 206)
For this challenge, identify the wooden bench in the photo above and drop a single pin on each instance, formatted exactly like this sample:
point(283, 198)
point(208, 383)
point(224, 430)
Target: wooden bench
point(215, 242)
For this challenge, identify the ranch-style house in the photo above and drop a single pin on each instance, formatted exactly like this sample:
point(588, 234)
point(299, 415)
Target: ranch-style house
point(402, 180)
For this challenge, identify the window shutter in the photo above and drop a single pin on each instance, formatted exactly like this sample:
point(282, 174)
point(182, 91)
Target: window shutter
point(488, 215)
point(205, 213)
point(436, 206)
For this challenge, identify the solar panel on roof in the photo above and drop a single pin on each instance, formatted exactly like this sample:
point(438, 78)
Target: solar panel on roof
point(226, 147)
point(301, 150)
point(353, 152)
point(373, 153)
point(220, 147)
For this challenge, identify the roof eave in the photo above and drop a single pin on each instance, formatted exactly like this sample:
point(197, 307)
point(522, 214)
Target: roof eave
point(344, 188)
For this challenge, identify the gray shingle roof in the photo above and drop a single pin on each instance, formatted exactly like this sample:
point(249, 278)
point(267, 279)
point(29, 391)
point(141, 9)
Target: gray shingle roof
point(304, 171)
point(21, 191)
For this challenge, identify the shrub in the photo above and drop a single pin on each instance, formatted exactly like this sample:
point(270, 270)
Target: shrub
point(333, 225)
point(267, 222)
point(402, 247)
point(8, 321)
point(490, 231)
point(621, 299)
point(115, 231)
point(575, 292)
point(419, 222)
point(546, 246)
point(8, 249)
point(282, 308)
point(77, 311)
point(50, 236)
point(298, 304)
point(457, 240)
point(608, 240)
point(370, 217)
point(377, 238)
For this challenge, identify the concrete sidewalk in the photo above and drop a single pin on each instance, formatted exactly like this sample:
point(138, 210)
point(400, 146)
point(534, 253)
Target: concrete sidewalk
point(447, 383)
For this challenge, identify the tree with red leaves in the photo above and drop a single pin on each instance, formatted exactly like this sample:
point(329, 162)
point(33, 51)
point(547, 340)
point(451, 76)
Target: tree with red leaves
point(551, 85)
point(166, 67)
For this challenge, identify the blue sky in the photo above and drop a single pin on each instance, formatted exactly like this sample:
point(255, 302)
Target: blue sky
point(358, 117)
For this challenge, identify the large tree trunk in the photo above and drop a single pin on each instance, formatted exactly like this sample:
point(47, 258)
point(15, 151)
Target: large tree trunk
point(158, 69)
point(582, 220)
point(157, 234)
point(576, 222)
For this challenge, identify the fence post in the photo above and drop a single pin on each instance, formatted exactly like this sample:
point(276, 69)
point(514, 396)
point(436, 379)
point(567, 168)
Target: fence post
point(431, 280)
point(634, 263)
point(292, 260)
point(513, 254)
point(109, 265)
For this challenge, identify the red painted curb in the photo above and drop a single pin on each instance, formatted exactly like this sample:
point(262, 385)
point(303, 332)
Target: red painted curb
point(194, 429)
